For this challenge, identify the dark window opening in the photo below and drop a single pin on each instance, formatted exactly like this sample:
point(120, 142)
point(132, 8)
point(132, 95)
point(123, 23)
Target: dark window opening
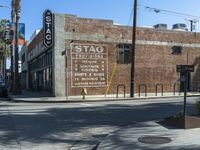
point(176, 50)
point(124, 53)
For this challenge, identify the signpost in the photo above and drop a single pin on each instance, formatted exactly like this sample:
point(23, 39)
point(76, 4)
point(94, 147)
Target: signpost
point(185, 69)
point(48, 28)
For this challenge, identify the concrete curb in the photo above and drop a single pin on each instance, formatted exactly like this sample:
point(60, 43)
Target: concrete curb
point(60, 100)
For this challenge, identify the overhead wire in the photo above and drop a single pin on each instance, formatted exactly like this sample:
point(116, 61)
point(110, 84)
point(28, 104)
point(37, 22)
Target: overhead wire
point(188, 17)
point(164, 11)
point(131, 14)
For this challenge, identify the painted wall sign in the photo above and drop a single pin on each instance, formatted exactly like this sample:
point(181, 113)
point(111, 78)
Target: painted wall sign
point(89, 64)
point(48, 28)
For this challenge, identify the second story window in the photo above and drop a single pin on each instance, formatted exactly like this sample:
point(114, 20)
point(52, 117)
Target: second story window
point(124, 53)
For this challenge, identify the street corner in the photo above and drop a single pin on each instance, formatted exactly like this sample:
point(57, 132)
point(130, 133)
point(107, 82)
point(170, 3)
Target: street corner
point(151, 135)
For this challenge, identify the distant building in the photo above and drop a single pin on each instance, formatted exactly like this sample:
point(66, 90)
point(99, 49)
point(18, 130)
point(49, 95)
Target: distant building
point(23, 63)
point(88, 53)
point(34, 34)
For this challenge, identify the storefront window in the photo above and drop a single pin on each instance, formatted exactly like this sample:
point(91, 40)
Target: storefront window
point(41, 72)
point(49, 57)
point(44, 78)
point(34, 80)
point(47, 77)
point(50, 77)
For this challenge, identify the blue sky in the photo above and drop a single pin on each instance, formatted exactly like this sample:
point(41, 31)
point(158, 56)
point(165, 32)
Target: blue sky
point(117, 10)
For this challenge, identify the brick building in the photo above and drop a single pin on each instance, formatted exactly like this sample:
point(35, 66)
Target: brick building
point(96, 54)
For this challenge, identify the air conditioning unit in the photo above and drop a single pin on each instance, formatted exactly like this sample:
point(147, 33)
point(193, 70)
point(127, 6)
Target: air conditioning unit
point(180, 27)
point(160, 26)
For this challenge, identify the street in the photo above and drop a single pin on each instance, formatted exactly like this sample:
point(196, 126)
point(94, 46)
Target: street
point(75, 126)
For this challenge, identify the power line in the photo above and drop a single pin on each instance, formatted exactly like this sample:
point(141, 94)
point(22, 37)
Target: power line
point(131, 15)
point(4, 6)
point(188, 17)
point(163, 11)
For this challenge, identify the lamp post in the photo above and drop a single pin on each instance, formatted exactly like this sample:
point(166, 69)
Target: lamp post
point(16, 16)
point(133, 50)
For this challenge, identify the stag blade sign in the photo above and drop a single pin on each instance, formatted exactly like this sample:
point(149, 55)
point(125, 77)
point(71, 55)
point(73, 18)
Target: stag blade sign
point(48, 28)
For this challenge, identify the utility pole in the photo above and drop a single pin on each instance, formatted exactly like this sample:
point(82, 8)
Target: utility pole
point(16, 8)
point(133, 50)
point(192, 27)
point(11, 49)
point(4, 62)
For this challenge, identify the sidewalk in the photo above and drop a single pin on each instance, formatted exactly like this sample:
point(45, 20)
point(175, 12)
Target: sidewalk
point(151, 136)
point(28, 96)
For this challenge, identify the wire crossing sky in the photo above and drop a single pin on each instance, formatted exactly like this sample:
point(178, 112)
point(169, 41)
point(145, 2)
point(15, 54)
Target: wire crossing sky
point(150, 12)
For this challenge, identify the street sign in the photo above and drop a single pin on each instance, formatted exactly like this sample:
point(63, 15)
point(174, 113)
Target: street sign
point(185, 68)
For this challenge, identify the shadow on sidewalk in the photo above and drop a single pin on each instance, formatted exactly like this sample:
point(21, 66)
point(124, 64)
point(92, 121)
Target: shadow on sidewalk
point(66, 125)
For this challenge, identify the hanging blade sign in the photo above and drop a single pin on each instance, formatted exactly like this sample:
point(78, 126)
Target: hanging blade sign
point(48, 28)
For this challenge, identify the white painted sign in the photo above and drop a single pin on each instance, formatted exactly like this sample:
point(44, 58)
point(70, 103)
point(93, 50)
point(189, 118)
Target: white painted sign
point(89, 64)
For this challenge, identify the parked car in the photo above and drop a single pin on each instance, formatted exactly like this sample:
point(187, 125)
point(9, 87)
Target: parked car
point(3, 88)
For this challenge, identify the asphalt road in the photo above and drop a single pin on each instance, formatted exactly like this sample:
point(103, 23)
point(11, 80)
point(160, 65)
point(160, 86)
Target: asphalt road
point(75, 126)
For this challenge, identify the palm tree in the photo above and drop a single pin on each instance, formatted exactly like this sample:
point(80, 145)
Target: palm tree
point(4, 46)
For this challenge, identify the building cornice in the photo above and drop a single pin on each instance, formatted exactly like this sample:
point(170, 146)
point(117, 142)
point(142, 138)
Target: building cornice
point(103, 38)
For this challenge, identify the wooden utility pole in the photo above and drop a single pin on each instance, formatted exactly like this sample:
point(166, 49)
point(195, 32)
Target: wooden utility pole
point(11, 49)
point(16, 9)
point(133, 50)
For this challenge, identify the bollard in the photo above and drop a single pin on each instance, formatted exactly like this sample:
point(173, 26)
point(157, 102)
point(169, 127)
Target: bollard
point(84, 92)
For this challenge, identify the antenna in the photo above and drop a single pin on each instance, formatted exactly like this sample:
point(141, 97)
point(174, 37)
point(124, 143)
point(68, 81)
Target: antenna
point(192, 23)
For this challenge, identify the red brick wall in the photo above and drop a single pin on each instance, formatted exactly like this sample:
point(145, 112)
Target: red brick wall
point(154, 63)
